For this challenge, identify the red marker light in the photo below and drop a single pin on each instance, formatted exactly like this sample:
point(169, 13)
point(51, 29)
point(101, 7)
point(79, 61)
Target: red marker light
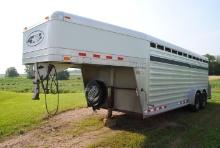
point(82, 54)
point(96, 55)
point(120, 58)
point(108, 57)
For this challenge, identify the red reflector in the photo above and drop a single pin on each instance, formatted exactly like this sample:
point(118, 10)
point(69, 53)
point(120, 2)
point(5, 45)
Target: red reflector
point(96, 55)
point(120, 58)
point(108, 57)
point(82, 54)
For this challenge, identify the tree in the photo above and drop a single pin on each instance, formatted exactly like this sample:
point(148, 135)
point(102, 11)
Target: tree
point(218, 59)
point(214, 65)
point(211, 58)
point(11, 72)
point(63, 75)
point(29, 70)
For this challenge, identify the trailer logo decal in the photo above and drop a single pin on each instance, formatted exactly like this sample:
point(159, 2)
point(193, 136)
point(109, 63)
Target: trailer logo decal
point(35, 38)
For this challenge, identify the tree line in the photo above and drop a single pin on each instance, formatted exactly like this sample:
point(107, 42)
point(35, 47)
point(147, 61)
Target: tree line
point(12, 72)
point(214, 64)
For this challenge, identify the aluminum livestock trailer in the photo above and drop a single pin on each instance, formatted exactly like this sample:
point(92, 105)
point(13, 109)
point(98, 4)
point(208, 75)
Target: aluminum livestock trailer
point(122, 69)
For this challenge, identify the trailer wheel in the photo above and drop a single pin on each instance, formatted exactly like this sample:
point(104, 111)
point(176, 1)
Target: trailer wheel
point(203, 100)
point(196, 105)
point(96, 93)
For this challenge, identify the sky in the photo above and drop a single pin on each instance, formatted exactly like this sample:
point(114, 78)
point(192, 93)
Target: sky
point(191, 24)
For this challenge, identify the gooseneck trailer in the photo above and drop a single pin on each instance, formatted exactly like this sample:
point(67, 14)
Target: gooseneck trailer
point(122, 69)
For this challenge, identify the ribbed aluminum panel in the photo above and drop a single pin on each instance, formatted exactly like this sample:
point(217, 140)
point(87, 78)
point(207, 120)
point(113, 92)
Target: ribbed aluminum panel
point(170, 82)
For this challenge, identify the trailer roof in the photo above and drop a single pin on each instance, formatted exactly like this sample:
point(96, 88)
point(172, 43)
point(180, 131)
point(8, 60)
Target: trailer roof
point(113, 28)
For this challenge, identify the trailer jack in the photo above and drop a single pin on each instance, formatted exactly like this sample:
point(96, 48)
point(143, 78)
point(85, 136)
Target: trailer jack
point(46, 75)
point(36, 90)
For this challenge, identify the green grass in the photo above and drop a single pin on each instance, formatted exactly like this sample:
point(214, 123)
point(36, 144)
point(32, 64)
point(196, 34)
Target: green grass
point(22, 85)
point(180, 128)
point(18, 112)
point(215, 86)
point(86, 125)
point(123, 139)
point(17, 84)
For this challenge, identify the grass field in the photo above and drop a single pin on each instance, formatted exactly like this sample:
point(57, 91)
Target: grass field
point(214, 77)
point(179, 128)
point(23, 85)
point(18, 112)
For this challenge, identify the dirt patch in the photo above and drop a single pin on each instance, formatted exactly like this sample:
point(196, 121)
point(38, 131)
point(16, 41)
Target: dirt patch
point(53, 132)
point(59, 131)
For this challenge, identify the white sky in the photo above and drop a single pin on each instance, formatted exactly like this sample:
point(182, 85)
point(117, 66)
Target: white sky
point(192, 24)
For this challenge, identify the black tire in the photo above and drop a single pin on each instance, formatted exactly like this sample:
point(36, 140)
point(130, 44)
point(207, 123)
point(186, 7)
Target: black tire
point(96, 93)
point(203, 100)
point(196, 105)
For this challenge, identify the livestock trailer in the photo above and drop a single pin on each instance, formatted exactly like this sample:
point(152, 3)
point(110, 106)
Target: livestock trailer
point(122, 69)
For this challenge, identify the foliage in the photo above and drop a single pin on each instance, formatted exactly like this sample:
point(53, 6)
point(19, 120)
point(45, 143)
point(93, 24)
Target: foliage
point(11, 72)
point(211, 58)
point(214, 65)
point(29, 70)
point(214, 68)
point(63, 75)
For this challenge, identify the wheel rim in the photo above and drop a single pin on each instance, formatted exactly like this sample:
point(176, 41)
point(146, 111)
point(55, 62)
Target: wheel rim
point(95, 93)
point(92, 93)
point(197, 103)
point(197, 106)
point(204, 100)
point(204, 103)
